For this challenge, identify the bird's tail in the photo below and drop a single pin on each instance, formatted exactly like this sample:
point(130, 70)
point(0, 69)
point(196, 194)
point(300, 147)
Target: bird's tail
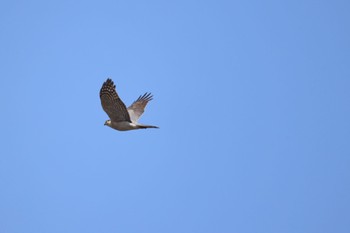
point(147, 126)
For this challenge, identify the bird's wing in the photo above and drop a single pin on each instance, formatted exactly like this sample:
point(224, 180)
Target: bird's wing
point(112, 104)
point(138, 107)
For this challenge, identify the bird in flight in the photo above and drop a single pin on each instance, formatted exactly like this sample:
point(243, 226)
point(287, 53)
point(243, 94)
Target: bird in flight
point(122, 118)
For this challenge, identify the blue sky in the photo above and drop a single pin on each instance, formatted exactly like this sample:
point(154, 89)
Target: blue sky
point(251, 97)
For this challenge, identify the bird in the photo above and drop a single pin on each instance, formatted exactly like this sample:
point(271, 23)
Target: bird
point(122, 118)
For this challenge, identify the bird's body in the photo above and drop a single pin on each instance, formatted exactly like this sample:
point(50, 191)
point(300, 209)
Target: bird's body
point(122, 118)
point(125, 125)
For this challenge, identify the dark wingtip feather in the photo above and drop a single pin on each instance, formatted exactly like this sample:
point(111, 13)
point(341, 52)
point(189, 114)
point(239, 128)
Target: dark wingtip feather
point(109, 82)
point(145, 97)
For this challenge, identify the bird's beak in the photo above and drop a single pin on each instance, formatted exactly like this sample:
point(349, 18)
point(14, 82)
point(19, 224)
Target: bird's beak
point(105, 123)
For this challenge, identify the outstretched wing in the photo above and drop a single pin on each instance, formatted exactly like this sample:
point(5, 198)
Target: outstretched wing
point(138, 107)
point(112, 104)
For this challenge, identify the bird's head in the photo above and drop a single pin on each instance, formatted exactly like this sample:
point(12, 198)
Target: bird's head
point(108, 122)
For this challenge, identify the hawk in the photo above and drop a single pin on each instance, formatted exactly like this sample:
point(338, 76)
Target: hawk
point(122, 118)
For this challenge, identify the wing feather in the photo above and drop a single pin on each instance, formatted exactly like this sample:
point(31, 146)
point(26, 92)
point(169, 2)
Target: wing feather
point(138, 107)
point(112, 104)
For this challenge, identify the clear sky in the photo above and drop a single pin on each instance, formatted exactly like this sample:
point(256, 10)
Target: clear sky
point(251, 97)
